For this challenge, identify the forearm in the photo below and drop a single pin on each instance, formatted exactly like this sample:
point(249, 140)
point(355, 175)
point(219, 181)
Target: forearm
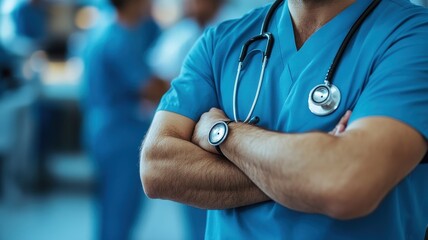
point(178, 170)
point(269, 160)
point(305, 172)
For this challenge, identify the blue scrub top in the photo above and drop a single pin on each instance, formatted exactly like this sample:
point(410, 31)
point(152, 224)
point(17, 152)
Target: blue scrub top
point(115, 72)
point(384, 72)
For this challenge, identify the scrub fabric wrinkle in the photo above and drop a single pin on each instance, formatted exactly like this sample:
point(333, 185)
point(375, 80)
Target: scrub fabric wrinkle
point(382, 73)
point(115, 120)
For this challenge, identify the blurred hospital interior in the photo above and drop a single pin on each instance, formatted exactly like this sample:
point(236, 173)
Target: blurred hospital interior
point(54, 167)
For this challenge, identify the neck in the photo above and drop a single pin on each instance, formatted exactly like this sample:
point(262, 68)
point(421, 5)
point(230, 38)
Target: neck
point(310, 15)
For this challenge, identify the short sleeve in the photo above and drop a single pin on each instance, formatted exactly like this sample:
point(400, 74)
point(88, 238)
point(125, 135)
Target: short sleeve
point(398, 85)
point(193, 92)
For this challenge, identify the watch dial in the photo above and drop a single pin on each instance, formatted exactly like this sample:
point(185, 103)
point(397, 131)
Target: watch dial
point(217, 133)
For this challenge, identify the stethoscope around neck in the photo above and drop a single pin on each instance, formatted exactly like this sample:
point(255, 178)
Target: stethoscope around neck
point(324, 98)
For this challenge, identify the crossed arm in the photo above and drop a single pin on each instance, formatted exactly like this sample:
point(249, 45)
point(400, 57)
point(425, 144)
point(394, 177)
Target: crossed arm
point(174, 168)
point(343, 176)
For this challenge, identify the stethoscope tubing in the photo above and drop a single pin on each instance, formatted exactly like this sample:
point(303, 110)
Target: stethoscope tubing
point(318, 108)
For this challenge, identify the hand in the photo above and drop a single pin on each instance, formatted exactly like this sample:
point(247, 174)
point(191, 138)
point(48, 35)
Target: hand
point(343, 123)
point(203, 127)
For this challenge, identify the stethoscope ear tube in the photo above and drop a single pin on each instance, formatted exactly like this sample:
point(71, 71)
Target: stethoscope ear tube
point(269, 45)
point(267, 53)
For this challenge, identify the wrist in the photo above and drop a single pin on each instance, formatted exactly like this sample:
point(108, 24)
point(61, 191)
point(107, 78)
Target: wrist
point(229, 143)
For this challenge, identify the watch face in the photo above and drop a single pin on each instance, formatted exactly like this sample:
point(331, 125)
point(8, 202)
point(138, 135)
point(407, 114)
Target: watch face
point(218, 133)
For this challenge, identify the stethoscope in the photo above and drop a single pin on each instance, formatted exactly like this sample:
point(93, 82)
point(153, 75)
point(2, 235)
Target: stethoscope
point(323, 99)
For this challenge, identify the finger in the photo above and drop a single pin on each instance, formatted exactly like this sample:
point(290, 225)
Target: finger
point(348, 114)
point(216, 110)
point(345, 119)
point(343, 122)
point(340, 129)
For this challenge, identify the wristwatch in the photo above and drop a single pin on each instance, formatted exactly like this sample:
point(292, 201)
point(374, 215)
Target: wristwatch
point(218, 134)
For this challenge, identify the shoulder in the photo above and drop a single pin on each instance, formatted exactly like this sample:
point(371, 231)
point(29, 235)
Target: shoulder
point(406, 4)
point(101, 40)
point(151, 25)
point(402, 15)
point(397, 28)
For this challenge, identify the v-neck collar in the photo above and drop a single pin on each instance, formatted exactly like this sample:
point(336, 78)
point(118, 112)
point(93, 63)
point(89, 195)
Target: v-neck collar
point(333, 30)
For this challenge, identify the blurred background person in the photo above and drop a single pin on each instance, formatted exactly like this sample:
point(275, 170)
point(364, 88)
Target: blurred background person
point(175, 42)
point(115, 81)
point(30, 19)
point(166, 60)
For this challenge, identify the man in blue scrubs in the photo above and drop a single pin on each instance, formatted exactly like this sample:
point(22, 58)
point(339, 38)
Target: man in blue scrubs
point(287, 178)
point(116, 79)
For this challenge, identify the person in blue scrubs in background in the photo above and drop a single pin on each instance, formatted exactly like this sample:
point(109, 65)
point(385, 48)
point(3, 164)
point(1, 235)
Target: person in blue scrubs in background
point(166, 60)
point(118, 111)
point(287, 178)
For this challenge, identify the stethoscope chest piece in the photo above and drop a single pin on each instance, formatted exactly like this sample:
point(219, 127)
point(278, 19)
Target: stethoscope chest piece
point(324, 99)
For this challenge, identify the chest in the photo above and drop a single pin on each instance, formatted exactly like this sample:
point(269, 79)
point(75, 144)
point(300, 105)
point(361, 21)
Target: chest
point(289, 77)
